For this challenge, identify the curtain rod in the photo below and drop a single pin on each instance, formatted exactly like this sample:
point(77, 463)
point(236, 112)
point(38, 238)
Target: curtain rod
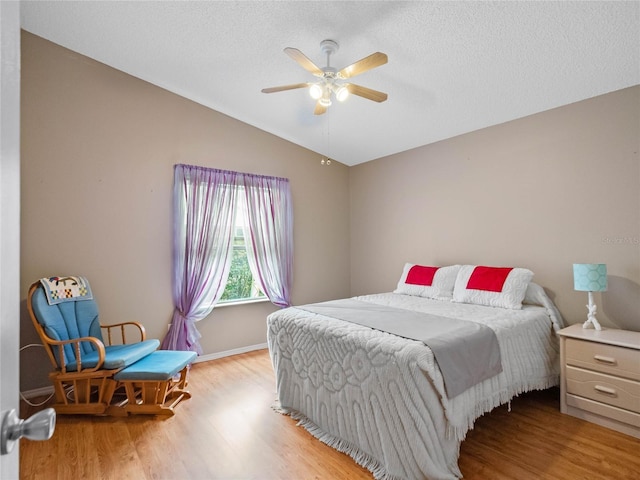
point(218, 170)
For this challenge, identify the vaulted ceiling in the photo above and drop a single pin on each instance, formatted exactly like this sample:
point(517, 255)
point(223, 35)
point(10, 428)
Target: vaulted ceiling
point(454, 67)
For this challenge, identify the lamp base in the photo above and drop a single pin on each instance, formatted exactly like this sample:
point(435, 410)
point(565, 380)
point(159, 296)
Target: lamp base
point(592, 321)
point(591, 316)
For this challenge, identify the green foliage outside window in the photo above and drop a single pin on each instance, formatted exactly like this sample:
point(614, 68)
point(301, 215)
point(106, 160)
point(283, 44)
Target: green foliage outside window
point(240, 285)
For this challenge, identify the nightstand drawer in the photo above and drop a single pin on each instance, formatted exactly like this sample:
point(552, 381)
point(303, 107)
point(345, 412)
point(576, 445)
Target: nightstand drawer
point(610, 359)
point(607, 389)
point(582, 405)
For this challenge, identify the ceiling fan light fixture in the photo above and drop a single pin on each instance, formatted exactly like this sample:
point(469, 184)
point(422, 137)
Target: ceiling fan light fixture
point(316, 91)
point(342, 93)
point(329, 80)
point(325, 101)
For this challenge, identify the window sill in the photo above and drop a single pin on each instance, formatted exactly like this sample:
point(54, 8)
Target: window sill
point(241, 302)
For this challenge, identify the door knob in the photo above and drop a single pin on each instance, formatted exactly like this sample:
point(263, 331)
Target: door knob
point(39, 426)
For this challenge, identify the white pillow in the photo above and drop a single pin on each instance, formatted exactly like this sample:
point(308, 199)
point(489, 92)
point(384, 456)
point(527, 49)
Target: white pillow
point(503, 287)
point(534, 295)
point(429, 282)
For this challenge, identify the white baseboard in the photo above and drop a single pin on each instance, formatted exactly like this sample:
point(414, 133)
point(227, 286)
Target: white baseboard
point(228, 353)
point(39, 392)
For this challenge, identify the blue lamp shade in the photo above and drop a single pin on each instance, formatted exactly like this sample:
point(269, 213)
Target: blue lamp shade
point(590, 277)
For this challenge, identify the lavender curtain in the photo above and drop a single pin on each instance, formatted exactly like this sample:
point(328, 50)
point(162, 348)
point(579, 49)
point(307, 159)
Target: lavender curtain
point(205, 204)
point(268, 231)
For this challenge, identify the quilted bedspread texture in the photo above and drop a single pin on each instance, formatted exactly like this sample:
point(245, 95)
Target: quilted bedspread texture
point(380, 398)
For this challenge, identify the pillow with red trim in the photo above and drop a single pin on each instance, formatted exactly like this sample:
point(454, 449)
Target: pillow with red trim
point(426, 281)
point(503, 287)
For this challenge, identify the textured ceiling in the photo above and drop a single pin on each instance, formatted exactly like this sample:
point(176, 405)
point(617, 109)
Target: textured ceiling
point(454, 67)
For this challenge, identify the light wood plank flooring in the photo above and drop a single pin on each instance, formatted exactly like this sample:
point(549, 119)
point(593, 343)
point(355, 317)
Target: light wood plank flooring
point(227, 430)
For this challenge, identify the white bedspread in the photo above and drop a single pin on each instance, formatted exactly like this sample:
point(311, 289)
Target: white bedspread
point(466, 352)
point(381, 399)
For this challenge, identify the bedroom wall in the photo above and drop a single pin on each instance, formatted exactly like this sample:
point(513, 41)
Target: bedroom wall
point(98, 149)
point(541, 192)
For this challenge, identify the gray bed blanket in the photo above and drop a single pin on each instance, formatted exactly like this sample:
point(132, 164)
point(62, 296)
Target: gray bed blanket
point(466, 352)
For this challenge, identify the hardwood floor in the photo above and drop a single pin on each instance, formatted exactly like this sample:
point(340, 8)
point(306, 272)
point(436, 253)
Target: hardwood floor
point(227, 430)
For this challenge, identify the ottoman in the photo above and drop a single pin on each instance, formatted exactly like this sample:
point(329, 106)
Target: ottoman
point(156, 384)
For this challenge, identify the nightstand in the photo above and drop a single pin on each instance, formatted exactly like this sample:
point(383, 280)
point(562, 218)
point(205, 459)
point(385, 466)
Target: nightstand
point(600, 377)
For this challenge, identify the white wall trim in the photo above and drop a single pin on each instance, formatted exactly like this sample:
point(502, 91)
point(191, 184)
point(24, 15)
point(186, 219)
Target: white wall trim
point(228, 353)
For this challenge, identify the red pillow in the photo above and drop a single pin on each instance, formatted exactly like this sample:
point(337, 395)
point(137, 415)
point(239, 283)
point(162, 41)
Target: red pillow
point(427, 281)
point(421, 275)
point(489, 279)
point(502, 287)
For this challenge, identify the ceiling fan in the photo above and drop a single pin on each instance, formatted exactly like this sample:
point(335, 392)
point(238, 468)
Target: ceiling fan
point(331, 80)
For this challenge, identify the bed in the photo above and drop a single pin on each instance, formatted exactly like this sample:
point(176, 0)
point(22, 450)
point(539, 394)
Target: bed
point(381, 398)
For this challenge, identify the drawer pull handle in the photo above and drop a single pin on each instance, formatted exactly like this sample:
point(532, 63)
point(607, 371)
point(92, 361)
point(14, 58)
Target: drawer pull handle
point(609, 360)
point(607, 390)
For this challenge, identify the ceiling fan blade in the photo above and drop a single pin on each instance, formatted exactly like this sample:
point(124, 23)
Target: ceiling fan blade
point(367, 93)
point(320, 109)
point(303, 61)
point(284, 87)
point(372, 61)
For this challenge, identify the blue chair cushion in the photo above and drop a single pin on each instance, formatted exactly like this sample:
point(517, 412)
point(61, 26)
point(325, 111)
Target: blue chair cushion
point(159, 365)
point(67, 320)
point(118, 356)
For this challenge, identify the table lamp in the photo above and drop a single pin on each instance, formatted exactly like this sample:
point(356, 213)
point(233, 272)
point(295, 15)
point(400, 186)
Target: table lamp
point(590, 277)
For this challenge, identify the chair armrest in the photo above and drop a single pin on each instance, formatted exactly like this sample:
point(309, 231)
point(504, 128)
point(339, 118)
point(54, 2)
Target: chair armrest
point(121, 326)
point(76, 342)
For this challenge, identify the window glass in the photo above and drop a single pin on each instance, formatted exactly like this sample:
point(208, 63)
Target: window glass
point(240, 285)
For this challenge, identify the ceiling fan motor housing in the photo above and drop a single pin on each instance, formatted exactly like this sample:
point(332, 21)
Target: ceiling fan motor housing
point(329, 47)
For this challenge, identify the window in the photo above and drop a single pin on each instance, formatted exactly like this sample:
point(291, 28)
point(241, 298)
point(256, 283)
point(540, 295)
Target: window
point(207, 238)
point(241, 286)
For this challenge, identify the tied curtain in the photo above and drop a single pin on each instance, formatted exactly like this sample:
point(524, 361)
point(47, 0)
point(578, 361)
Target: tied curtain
point(205, 204)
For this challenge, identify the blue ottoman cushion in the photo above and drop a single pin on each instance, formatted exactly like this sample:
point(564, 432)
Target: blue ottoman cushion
point(159, 365)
